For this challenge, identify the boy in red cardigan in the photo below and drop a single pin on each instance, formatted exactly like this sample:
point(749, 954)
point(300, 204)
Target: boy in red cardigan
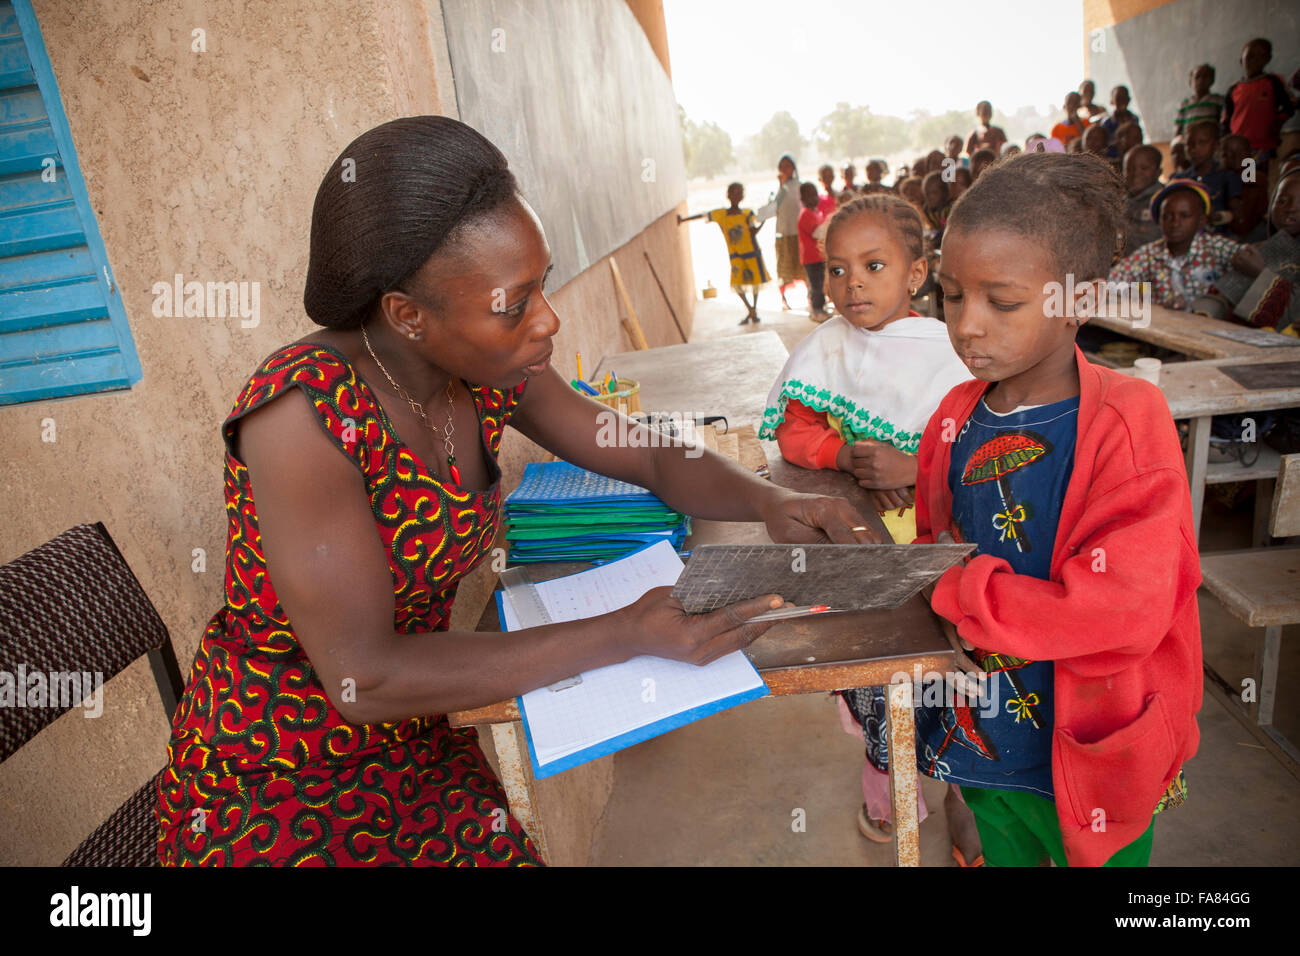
point(1080, 600)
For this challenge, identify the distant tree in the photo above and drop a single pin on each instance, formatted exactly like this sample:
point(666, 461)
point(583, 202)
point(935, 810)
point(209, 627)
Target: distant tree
point(779, 135)
point(931, 132)
point(845, 131)
point(1028, 120)
point(709, 152)
point(889, 134)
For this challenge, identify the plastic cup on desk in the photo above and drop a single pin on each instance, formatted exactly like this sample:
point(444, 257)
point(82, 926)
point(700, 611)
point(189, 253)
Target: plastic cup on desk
point(1149, 369)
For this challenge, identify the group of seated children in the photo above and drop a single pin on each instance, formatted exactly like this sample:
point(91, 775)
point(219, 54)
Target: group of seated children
point(1213, 239)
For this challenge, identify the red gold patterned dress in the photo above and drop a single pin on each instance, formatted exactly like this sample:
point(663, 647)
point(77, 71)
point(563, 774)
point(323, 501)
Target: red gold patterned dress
point(262, 770)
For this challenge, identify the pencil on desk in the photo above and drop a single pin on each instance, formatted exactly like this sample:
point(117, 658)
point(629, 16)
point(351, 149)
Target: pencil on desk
point(579, 354)
point(782, 613)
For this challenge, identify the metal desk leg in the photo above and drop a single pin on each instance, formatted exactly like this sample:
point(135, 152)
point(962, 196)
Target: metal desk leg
point(902, 774)
point(1198, 460)
point(518, 782)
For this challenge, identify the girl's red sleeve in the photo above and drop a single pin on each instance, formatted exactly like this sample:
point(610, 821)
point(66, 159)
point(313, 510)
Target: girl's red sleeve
point(806, 438)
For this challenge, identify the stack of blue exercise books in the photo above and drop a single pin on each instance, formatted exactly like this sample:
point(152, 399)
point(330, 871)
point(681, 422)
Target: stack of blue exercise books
point(561, 512)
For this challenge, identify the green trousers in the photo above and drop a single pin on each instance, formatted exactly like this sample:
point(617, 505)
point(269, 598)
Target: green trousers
point(1021, 829)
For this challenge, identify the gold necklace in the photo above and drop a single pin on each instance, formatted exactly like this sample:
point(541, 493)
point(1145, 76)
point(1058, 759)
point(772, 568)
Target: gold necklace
point(448, 430)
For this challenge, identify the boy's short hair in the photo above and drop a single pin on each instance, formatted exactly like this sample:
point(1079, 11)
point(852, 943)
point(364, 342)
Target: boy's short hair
point(1210, 125)
point(985, 154)
point(731, 186)
point(1264, 42)
point(1205, 66)
point(1176, 186)
point(808, 194)
point(1074, 205)
point(1145, 149)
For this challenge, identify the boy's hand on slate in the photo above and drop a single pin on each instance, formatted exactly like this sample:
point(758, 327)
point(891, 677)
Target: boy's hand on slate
point(877, 464)
point(815, 519)
point(887, 499)
point(656, 624)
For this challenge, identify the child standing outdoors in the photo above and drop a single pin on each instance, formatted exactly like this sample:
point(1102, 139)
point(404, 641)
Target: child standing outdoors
point(829, 201)
point(785, 206)
point(856, 393)
point(810, 256)
point(739, 228)
point(1080, 600)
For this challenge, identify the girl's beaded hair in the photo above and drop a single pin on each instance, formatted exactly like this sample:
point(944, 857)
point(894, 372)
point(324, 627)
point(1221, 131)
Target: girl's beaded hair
point(900, 214)
point(1070, 203)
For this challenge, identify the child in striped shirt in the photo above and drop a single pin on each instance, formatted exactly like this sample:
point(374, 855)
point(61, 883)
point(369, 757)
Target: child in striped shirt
point(1202, 104)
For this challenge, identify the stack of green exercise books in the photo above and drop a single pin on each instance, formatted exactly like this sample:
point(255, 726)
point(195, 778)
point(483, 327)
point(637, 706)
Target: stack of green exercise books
point(561, 512)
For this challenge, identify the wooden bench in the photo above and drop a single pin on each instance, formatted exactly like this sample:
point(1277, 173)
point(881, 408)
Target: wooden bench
point(1262, 588)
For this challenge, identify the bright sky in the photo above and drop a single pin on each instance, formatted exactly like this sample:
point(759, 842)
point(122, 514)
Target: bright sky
point(736, 62)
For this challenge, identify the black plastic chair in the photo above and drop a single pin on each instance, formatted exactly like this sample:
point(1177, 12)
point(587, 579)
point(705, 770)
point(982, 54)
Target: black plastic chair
point(73, 605)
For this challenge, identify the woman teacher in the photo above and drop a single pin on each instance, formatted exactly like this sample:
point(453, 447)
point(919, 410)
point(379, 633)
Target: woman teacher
point(362, 484)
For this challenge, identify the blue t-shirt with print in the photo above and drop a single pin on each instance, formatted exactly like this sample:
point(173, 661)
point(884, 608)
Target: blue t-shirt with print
point(1008, 476)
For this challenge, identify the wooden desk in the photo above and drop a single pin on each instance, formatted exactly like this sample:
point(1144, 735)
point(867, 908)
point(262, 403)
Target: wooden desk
point(1198, 391)
point(1183, 332)
point(729, 376)
point(732, 377)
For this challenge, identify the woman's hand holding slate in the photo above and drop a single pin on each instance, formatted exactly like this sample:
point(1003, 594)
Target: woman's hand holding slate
point(657, 624)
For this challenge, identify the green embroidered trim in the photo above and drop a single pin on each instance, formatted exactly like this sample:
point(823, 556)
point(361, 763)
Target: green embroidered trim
point(858, 424)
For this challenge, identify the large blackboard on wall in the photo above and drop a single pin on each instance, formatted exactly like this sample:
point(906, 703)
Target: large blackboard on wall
point(1153, 52)
point(572, 93)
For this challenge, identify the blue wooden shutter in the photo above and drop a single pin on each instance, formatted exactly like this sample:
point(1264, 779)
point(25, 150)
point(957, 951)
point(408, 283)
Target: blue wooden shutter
point(63, 330)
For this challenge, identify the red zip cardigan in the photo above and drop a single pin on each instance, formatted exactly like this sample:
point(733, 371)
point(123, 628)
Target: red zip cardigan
point(1126, 640)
